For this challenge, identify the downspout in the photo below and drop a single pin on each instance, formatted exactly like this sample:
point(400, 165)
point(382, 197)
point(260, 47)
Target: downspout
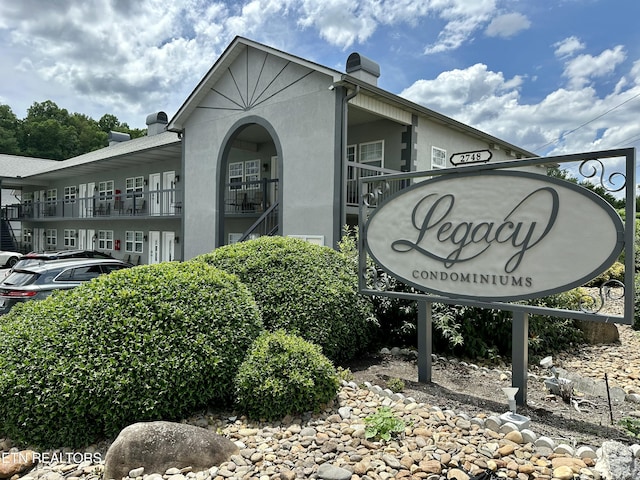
point(343, 180)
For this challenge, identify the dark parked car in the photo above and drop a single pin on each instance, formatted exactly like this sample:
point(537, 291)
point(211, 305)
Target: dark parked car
point(33, 258)
point(35, 282)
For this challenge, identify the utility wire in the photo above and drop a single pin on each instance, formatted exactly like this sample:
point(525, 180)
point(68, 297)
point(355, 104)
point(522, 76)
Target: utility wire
point(586, 123)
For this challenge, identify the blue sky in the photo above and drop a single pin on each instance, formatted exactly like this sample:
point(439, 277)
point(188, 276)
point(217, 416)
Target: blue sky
point(552, 76)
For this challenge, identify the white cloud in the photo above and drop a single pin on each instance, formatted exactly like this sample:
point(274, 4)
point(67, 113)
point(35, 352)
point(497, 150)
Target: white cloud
point(463, 19)
point(581, 69)
point(568, 47)
point(565, 121)
point(507, 25)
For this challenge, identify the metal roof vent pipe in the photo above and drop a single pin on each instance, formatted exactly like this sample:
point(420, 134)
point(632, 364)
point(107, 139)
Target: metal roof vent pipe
point(118, 137)
point(363, 68)
point(156, 123)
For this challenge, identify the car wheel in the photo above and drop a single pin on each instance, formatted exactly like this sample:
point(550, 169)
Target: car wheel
point(12, 261)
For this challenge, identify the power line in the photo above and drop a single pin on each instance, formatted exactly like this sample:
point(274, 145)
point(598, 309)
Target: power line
point(587, 123)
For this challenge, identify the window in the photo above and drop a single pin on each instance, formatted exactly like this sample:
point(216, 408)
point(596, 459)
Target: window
point(134, 185)
point(80, 274)
point(234, 238)
point(27, 236)
point(372, 153)
point(70, 194)
point(51, 236)
point(236, 174)
point(69, 238)
point(133, 241)
point(252, 174)
point(351, 153)
point(105, 239)
point(52, 195)
point(241, 172)
point(105, 190)
point(438, 157)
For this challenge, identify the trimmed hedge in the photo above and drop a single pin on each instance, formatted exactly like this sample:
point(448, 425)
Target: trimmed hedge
point(146, 343)
point(304, 289)
point(284, 375)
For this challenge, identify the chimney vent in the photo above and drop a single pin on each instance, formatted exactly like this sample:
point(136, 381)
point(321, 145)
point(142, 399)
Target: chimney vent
point(118, 137)
point(156, 123)
point(363, 68)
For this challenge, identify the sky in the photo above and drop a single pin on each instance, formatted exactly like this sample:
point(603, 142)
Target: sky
point(551, 76)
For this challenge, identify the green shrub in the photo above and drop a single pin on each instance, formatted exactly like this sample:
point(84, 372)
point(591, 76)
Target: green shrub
point(146, 343)
point(614, 272)
point(305, 289)
point(383, 425)
point(284, 374)
point(395, 384)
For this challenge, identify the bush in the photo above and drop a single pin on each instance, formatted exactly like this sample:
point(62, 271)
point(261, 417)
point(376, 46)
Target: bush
point(146, 343)
point(284, 374)
point(614, 272)
point(483, 333)
point(305, 289)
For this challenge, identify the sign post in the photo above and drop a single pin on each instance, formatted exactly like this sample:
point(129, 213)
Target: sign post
point(498, 236)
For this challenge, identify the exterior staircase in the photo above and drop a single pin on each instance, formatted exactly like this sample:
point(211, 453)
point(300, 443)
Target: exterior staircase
point(266, 224)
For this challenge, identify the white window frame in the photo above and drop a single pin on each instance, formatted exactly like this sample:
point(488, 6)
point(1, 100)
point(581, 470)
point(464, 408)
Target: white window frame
point(373, 161)
point(105, 239)
point(70, 194)
point(236, 172)
point(438, 157)
point(105, 190)
point(134, 241)
point(70, 237)
point(27, 236)
point(252, 174)
point(352, 152)
point(51, 237)
point(52, 195)
point(233, 238)
point(134, 185)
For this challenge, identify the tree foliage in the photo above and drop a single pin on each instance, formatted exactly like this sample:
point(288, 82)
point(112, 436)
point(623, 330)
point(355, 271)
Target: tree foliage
point(51, 132)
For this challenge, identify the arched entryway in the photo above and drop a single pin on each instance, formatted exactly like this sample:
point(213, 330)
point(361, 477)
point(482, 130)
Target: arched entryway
point(249, 182)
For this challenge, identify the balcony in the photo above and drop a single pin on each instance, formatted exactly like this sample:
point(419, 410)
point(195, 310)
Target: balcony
point(250, 198)
point(157, 203)
point(355, 171)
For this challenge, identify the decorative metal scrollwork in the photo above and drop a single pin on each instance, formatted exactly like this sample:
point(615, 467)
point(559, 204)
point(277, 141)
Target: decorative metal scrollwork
point(608, 291)
point(594, 167)
point(371, 198)
point(376, 279)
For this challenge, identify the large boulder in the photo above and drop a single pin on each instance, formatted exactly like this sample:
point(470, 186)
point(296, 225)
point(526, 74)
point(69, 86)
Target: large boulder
point(596, 333)
point(15, 463)
point(158, 446)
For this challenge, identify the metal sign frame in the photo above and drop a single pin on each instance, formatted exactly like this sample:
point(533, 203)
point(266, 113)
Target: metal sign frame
point(600, 168)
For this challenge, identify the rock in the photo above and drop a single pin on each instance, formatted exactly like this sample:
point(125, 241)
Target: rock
point(616, 462)
point(563, 472)
point(598, 333)
point(158, 446)
point(330, 472)
point(15, 463)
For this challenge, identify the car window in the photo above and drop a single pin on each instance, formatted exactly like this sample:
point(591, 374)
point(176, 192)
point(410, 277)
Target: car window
point(19, 279)
point(112, 268)
point(79, 274)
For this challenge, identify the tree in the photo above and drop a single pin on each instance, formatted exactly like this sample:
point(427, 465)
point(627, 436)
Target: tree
point(558, 172)
point(9, 131)
point(49, 131)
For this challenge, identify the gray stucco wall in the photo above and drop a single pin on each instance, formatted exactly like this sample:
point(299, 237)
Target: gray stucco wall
point(301, 115)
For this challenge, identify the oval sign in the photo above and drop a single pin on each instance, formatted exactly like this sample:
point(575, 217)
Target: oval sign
point(494, 235)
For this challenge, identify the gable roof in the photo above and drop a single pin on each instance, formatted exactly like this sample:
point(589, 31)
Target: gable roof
point(238, 46)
